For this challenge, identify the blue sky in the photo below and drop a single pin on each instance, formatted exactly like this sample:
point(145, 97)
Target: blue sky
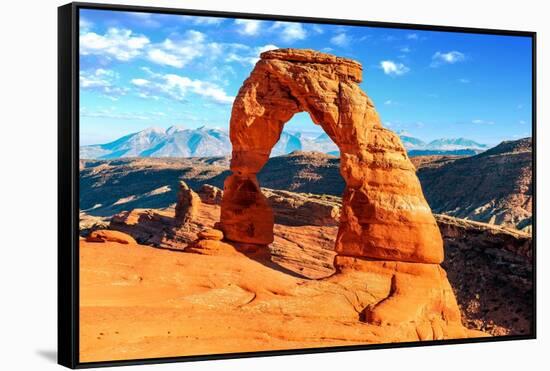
point(139, 70)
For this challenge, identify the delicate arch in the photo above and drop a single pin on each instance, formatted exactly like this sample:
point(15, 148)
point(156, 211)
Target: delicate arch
point(384, 214)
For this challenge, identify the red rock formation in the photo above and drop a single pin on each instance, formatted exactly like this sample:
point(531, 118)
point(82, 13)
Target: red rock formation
point(188, 204)
point(211, 234)
point(210, 194)
point(384, 215)
point(106, 235)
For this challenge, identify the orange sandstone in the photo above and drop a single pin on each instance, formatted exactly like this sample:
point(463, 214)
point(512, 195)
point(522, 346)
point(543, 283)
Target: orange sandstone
point(105, 235)
point(384, 214)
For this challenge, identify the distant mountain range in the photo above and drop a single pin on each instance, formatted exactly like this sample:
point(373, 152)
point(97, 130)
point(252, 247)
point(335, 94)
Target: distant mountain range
point(177, 141)
point(453, 146)
point(494, 186)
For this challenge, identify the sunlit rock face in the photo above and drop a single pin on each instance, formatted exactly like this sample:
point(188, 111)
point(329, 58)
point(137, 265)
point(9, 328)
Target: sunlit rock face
point(384, 214)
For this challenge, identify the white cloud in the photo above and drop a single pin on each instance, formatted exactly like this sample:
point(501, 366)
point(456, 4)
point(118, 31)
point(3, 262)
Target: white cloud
point(342, 39)
point(113, 114)
point(265, 48)
point(234, 57)
point(252, 57)
point(522, 122)
point(84, 24)
point(451, 57)
point(140, 82)
point(412, 36)
point(98, 78)
point(178, 87)
point(147, 19)
point(394, 69)
point(290, 31)
point(209, 21)
point(161, 57)
point(179, 52)
point(388, 102)
point(249, 27)
point(120, 44)
point(317, 29)
point(175, 51)
point(102, 81)
point(464, 81)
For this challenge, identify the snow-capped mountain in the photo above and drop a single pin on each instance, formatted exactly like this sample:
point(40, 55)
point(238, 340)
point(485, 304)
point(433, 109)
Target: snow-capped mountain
point(412, 142)
point(454, 144)
point(178, 141)
point(154, 142)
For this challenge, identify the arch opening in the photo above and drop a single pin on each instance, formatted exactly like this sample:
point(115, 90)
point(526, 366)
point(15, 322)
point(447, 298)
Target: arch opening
point(384, 213)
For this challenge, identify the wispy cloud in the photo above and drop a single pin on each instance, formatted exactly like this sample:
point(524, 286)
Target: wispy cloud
point(84, 24)
point(451, 57)
point(147, 19)
point(176, 52)
point(394, 69)
point(96, 78)
point(103, 81)
point(203, 21)
point(251, 56)
point(290, 31)
point(249, 27)
point(412, 36)
point(120, 44)
point(482, 122)
point(111, 113)
point(464, 81)
point(140, 82)
point(317, 29)
point(341, 39)
point(178, 87)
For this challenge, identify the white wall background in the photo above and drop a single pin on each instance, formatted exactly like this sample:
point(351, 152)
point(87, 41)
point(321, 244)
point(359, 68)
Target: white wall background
point(28, 181)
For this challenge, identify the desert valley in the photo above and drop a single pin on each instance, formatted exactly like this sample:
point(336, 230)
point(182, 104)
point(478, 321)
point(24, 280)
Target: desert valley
point(388, 239)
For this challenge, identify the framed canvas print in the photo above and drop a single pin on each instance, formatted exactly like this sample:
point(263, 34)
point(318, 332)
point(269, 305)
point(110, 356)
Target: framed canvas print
point(237, 185)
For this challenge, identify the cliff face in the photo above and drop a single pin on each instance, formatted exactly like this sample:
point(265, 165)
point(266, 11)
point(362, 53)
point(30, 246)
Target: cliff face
point(494, 187)
point(491, 271)
point(491, 187)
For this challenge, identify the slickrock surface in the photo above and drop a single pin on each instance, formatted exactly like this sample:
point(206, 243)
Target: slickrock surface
point(385, 215)
point(488, 267)
point(138, 302)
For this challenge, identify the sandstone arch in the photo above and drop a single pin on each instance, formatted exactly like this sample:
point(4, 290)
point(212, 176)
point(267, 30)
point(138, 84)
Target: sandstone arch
point(385, 215)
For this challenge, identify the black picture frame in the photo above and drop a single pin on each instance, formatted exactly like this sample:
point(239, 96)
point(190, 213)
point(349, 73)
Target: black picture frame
point(68, 181)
